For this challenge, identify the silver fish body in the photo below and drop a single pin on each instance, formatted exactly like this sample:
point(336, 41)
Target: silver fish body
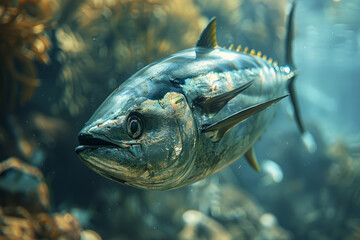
point(172, 151)
point(161, 130)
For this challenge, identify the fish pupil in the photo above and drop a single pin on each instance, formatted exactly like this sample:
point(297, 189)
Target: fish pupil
point(134, 126)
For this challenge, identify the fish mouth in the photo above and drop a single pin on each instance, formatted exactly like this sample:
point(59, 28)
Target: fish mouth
point(113, 161)
point(101, 169)
point(88, 141)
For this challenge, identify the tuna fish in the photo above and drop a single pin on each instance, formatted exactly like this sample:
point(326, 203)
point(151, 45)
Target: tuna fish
point(187, 116)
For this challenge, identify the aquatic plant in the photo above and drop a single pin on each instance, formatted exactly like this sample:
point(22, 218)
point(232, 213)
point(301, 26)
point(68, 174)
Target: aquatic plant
point(23, 40)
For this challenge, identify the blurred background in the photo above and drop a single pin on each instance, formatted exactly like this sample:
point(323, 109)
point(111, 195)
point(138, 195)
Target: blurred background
point(61, 58)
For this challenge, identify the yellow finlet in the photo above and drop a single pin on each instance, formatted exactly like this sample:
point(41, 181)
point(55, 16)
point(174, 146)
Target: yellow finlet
point(251, 158)
point(253, 53)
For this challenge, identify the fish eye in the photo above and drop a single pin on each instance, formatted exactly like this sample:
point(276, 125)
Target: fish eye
point(134, 125)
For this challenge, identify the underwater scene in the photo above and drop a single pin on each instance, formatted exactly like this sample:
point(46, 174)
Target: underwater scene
point(61, 59)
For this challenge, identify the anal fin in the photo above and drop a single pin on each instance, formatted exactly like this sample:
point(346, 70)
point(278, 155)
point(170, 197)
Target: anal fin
point(221, 127)
point(215, 104)
point(251, 158)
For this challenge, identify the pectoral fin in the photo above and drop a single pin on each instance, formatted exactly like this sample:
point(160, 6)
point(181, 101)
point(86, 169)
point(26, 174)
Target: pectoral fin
point(221, 127)
point(215, 104)
point(251, 158)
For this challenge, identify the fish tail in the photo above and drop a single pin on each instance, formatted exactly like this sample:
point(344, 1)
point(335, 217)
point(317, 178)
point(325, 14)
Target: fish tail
point(306, 136)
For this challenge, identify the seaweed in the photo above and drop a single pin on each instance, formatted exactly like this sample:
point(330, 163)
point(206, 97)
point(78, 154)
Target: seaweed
point(23, 40)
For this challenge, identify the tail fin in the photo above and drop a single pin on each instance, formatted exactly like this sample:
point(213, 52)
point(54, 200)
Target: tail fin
point(306, 136)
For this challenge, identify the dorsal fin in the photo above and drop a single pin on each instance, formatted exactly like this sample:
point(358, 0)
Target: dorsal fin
point(215, 104)
point(208, 36)
point(222, 126)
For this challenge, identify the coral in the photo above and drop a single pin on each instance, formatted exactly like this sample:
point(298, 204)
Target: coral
point(234, 210)
point(23, 39)
point(27, 187)
point(24, 207)
point(18, 223)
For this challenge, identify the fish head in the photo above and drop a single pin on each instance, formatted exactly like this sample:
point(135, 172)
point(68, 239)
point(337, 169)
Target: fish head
point(140, 141)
